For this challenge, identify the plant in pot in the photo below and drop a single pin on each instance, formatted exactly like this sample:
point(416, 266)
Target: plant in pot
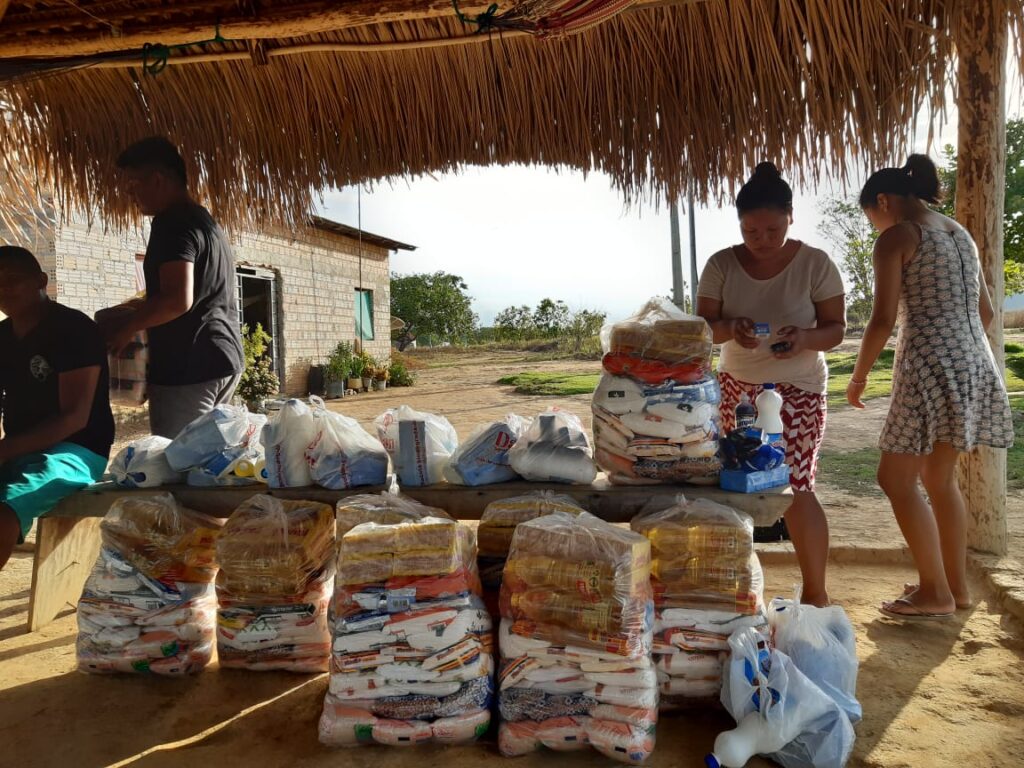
point(369, 369)
point(355, 372)
point(258, 380)
point(381, 376)
point(338, 367)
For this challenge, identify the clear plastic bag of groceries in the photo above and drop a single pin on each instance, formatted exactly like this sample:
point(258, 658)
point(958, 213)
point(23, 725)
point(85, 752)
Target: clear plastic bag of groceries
point(660, 343)
point(272, 549)
point(203, 439)
point(143, 464)
point(499, 520)
point(702, 555)
point(162, 539)
point(372, 553)
point(822, 644)
point(149, 603)
point(385, 508)
point(285, 438)
point(483, 458)
point(342, 454)
point(577, 580)
point(555, 449)
point(420, 444)
point(780, 712)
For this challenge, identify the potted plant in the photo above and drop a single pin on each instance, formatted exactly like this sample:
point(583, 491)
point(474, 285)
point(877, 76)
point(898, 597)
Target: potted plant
point(355, 372)
point(380, 377)
point(369, 369)
point(338, 366)
point(258, 380)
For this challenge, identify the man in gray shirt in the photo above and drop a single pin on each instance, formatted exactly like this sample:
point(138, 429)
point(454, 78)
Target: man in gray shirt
point(191, 310)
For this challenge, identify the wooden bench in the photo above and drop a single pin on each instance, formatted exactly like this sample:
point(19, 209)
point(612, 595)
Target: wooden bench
point(67, 538)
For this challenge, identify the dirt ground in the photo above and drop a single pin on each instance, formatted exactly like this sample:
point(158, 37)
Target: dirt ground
point(933, 695)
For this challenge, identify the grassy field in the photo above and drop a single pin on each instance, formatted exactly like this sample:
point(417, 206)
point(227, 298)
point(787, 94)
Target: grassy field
point(555, 384)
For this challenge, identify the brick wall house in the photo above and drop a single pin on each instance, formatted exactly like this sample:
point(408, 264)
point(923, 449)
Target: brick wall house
point(303, 286)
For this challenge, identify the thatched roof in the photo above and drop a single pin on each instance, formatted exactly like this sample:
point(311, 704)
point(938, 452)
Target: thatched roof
point(666, 96)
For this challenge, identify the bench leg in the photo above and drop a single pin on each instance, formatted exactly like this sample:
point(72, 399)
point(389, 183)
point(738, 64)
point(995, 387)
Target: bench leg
point(66, 548)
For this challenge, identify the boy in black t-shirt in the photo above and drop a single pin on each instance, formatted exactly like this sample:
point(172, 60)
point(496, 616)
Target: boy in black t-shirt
point(190, 312)
point(54, 397)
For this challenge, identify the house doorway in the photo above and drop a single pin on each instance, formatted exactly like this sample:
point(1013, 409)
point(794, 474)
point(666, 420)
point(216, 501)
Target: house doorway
point(257, 303)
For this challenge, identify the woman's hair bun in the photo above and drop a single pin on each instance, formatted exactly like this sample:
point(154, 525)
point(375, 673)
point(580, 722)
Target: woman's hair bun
point(766, 171)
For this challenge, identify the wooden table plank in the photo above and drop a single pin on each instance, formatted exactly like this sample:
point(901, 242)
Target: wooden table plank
point(615, 503)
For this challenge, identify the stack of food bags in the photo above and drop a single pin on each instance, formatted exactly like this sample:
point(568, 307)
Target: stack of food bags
point(576, 630)
point(412, 658)
point(707, 583)
point(149, 604)
point(274, 587)
point(656, 407)
point(498, 523)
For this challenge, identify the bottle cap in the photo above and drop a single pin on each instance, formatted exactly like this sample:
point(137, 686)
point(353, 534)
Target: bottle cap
point(768, 386)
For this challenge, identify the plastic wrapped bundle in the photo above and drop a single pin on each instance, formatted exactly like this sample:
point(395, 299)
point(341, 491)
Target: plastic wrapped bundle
point(555, 449)
point(655, 408)
point(420, 444)
point(702, 556)
point(149, 604)
point(707, 583)
point(275, 584)
point(214, 446)
point(412, 657)
point(285, 438)
point(342, 454)
point(576, 632)
point(382, 508)
point(483, 458)
point(497, 525)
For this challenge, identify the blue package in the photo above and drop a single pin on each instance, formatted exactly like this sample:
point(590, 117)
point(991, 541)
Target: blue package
point(484, 458)
point(738, 481)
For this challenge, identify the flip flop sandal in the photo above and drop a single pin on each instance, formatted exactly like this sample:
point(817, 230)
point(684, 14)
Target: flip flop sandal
point(917, 615)
point(909, 589)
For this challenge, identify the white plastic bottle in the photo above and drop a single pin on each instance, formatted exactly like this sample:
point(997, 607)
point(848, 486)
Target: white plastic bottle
point(769, 414)
point(752, 736)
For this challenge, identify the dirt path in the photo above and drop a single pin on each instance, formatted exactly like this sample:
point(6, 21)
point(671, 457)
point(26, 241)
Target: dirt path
point(938, 696)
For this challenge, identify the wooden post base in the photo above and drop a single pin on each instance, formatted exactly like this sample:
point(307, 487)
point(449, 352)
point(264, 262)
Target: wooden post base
point(66, 549)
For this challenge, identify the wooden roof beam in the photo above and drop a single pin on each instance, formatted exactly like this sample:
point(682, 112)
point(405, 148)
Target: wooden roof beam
point(280, 23)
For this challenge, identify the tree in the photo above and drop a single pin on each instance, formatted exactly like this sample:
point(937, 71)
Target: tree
point(582, 325)
point(845, 226)
point(551, 317)
point(514, 324)
point(435, 305)
point(1013, 214)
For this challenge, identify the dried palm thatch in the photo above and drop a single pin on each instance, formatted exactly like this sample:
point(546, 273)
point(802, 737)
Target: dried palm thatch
point(667, 97)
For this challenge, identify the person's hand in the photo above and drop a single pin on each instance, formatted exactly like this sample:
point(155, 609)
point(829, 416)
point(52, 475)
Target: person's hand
point(119, 338)
point(854, 392)
point(795, 340)
point(743, 332)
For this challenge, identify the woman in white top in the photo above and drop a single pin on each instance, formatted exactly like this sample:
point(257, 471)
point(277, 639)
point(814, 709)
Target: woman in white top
point(798, 292)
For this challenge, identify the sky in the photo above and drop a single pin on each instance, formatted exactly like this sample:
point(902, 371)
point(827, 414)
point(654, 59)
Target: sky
point(519, 234)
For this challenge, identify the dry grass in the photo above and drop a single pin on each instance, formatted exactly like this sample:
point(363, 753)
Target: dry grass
point(1013, 319)
point(666, 98)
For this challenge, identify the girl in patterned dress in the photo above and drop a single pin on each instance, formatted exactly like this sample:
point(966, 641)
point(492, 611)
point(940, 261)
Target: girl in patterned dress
point(948, 395)
point(797, 291)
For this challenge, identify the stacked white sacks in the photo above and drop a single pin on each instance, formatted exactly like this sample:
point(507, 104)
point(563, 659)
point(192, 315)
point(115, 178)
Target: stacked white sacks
point(656, 407)
point(575, 640)
point(412, 657)
point(275, 584)
point(149, 603)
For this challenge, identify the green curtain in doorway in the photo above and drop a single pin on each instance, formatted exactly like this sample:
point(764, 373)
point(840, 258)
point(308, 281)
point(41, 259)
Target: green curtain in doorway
point(364, 315)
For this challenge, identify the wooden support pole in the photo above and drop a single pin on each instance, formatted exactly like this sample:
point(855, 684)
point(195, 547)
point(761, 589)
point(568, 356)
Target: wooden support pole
point(982, 34)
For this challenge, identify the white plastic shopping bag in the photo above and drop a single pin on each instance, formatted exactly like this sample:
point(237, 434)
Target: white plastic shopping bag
point(285, 438)
point(342, 454)
point(420, 444)
point(143, 464)
point(207, 436)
